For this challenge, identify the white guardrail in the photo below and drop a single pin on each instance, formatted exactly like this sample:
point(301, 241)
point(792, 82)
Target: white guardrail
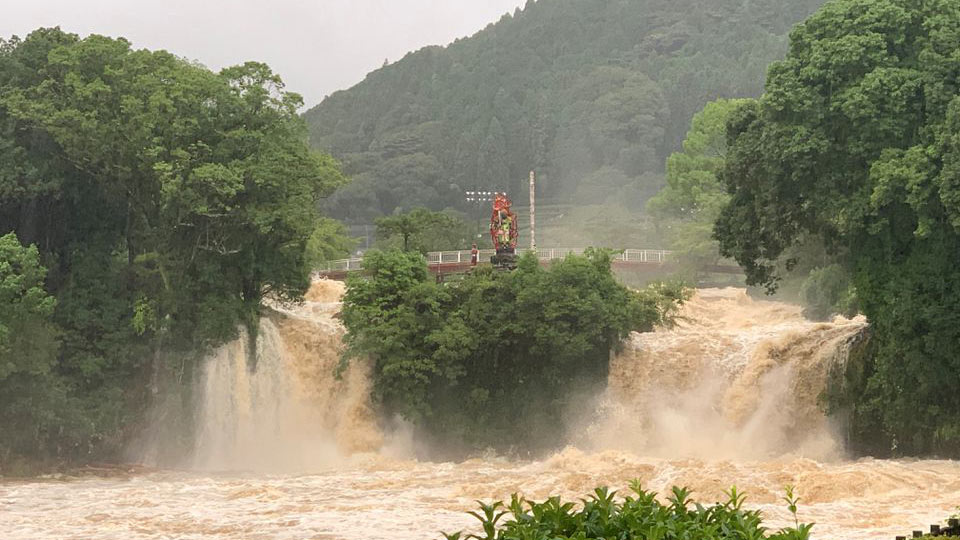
point(650, 256)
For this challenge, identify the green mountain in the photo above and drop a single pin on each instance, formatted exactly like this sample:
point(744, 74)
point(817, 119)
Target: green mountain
point(593, 94)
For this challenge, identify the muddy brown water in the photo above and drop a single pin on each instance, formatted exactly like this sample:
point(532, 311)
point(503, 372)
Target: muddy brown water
point(290, 452)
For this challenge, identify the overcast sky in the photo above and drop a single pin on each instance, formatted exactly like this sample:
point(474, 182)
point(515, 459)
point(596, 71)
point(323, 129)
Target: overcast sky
point(318, 46)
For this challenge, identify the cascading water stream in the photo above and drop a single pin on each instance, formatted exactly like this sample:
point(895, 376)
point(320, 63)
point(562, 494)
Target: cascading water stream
point(289, 451)
point(736, 379)
point(290, 413)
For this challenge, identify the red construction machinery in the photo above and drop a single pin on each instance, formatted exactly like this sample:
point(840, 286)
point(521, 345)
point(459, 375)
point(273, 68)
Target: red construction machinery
point(503, 231)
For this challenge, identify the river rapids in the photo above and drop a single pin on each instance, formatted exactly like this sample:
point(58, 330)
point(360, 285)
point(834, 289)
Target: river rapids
point(289, 451)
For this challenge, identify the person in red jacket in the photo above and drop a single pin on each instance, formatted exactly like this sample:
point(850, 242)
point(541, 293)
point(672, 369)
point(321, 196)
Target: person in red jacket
point(474, 255)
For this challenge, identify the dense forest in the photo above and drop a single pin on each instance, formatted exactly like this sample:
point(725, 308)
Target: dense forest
point(854, 149)
point(147, 206)
point(593, 94)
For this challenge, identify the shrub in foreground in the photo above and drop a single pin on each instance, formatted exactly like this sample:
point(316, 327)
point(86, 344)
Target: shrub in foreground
point(641, 515)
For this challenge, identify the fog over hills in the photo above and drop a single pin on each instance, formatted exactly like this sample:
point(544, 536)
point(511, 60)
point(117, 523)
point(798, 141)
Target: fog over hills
point(318, 46)
point(594, 94)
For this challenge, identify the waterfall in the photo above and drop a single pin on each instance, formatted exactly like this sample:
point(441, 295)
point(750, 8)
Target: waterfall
point(737, 378)
point(291, 413)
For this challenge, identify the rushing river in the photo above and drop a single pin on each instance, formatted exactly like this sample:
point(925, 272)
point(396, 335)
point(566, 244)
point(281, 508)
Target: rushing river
point(290, 452)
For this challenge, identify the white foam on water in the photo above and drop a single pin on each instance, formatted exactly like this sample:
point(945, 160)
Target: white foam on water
point(289, 451)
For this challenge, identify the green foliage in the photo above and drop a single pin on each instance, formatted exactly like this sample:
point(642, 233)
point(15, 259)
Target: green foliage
point(692, 188)
point(166, 201)
point(28, 341)
point(424, 231)
point(592, 94)
point(328, 241)
point(828, 291)
point(855, 144)
point(29, 395)
point(602, 516)
point(496, 359)
point(692, 199)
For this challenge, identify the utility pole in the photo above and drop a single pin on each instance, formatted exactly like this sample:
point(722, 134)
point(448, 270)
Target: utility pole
point(533, 212)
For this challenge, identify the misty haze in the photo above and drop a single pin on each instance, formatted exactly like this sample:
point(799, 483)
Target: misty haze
point(369, 270)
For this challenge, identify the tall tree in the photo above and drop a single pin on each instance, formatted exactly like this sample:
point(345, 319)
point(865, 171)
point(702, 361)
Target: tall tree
point(423, 230)
point(855, 143)
point(692, 200)
point(167, 201)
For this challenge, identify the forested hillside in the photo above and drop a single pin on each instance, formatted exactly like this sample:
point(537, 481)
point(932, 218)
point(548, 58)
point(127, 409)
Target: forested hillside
point(594, 94)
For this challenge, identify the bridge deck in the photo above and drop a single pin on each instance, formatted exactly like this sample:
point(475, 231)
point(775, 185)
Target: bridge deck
point(452, 262)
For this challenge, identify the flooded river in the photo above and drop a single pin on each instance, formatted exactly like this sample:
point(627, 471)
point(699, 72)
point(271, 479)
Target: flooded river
point(290, 452)
point(380, 498)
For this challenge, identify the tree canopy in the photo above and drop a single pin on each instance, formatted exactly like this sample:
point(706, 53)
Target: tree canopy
point(166, 201)
point(27, 340)
point(855, 143)
point(692, 199)
point(28, 350)
point(494, 360)
point(423, 230)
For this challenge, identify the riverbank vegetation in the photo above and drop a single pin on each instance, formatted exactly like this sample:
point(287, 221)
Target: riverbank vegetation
point(690, 202)
point(601, 515)
point(688, 206)
point(854, 148)
point(147, 205)
point(497, 359)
